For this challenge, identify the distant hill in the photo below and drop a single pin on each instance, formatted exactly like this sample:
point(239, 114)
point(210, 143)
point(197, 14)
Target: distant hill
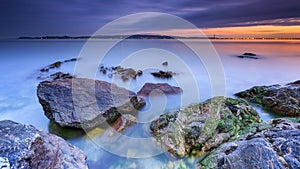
point(54, 37)
point(111, 37)
point(141, 36)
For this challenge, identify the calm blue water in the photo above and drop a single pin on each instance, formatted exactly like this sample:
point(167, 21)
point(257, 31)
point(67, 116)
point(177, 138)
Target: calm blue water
point(21, 61)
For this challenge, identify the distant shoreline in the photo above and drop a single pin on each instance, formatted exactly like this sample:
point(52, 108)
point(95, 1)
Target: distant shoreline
point(146, 37)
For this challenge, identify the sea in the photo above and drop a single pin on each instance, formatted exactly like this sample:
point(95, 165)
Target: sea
point(203, 69)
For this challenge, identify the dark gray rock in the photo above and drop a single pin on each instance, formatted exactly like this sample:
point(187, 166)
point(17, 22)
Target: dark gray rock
point(51, 66)
point(163, 74)
point(85, 103)
point(23, 146)
point(248, 55)
point(277, 146)
point(55, 76)
point(126, 73)
point(281, 99)
point(70, 60)
point(57, 64)
point(120, 72)
point(165, 63)
point(159, 88)
point(202, 127)
point(60, 75)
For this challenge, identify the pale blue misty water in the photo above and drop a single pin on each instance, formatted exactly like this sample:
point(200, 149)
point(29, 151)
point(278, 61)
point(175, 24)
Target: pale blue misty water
point(21, 61)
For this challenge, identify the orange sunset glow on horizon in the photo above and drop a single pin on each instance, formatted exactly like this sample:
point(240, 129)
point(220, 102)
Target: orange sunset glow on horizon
point(265, 31)
point(256, 31)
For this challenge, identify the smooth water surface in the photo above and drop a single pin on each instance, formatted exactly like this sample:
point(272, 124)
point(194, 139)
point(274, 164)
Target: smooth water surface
point(21, 61)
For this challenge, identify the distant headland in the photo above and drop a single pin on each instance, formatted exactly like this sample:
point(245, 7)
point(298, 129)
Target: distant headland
point(153, 37)
point(104, 37)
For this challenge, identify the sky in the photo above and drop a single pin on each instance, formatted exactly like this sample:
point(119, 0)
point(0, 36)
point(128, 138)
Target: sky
point(256, 18)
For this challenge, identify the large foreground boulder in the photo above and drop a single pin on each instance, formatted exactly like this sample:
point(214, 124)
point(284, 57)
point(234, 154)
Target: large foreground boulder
point(23, 146)
point(276, 146)
point(85, 103)
point(281, 99)
point(201, 127)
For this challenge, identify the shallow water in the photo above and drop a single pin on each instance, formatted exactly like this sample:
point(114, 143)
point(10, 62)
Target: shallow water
point(21, 61)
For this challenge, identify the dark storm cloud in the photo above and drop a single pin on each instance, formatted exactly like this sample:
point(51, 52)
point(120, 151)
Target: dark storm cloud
point(245, 13)
point(80, 17)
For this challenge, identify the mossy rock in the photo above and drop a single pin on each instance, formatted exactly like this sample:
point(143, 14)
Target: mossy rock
point(279, 99)
point(204, 126)
point(265, 145)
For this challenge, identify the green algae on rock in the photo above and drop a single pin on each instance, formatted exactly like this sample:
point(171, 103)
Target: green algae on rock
point(281, 99)
point(275, 146)
point(198, 128)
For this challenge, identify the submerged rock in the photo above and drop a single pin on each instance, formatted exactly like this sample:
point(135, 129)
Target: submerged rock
point(158, 88)
point(65, 132)
point(23, 146)
point(248, 55)
point(55, 76)
point(60, 75)
point(52, 66)
point(85, 103)
point(124, 73)
point(70, 60)
point(56, 64)
point(123, 122)
point(201, 127)
point(166, 63)
point(281, 99)
point(163, 74)
point(277, 146)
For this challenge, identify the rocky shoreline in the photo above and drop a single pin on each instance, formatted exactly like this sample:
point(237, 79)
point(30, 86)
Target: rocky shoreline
point(228, 133)
point(220, 132)
point(281, 99)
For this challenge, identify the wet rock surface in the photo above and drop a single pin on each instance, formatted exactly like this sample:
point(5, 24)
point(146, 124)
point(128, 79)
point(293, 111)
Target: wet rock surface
point(281, 99)
point(52, 66)
point(123, 122)
point(85, 103)
point(277, 146)
point(118, 71)
point(127, 73)
point(55, 76)
point(163, 74)
point(165, 63)
point(202, 127)
point(57, 64)
point(23, 146)
point(60, 75)
point(158, 89)
point(248, 55)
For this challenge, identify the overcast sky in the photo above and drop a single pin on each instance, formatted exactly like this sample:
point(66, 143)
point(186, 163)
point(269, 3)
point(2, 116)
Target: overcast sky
point(82, 17)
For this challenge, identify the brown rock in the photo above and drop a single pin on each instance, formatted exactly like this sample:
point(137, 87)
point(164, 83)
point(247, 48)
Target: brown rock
point(158, 88)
